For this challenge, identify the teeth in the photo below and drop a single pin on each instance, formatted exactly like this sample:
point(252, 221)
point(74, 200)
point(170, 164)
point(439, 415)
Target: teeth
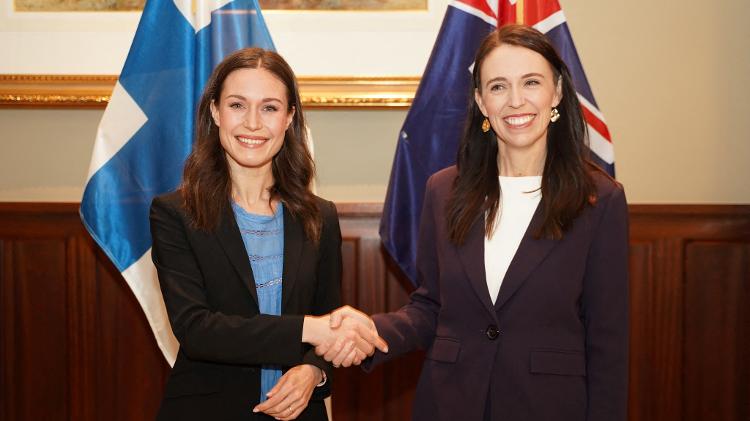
point(518, 121)
point(250, 141)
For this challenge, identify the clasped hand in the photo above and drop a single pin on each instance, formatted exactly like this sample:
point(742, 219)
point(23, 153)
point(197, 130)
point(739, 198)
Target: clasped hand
point(345, 337)
point(349, 337)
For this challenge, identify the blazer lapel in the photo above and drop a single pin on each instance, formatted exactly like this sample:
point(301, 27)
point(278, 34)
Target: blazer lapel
point(529, 255)
point(294, 237)
point(471, 255)
point(230, 239)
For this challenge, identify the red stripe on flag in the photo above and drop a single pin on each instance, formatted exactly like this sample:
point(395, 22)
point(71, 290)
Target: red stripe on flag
point(534, 11)
point(479, 5)
point(507, 13)
point(597, 124)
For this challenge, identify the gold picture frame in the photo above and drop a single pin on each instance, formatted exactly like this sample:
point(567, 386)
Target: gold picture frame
point(93, 91)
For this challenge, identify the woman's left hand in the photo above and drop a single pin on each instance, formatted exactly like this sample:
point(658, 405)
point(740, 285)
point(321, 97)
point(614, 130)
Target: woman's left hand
point(289, 397)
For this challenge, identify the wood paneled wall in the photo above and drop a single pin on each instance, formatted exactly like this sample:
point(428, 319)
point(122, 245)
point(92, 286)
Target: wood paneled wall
point(690, 313)
point(74, 344)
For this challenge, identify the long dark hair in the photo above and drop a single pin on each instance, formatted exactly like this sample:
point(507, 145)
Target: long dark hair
point(567, 184)
point(206, 186)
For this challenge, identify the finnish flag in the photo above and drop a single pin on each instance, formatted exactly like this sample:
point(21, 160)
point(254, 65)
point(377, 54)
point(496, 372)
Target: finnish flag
point(146, 131)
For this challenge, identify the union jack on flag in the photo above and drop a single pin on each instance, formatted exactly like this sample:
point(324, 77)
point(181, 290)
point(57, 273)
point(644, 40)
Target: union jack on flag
point(429, 137)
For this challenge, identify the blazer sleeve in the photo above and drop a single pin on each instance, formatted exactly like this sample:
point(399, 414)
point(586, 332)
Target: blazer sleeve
point(605, 309)
point(328, 291)
point(413, 326)
point(203, 333)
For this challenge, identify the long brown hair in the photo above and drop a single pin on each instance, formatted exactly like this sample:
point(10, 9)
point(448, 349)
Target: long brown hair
point(567, 184)
point(206, 186)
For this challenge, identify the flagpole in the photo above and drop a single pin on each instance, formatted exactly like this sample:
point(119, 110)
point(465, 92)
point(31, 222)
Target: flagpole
point(519, 12)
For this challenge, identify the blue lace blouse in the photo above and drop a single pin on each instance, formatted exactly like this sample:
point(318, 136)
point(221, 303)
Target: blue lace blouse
point(263, 236)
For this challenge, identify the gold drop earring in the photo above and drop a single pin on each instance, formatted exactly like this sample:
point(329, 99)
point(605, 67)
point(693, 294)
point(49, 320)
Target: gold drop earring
point(485, 125)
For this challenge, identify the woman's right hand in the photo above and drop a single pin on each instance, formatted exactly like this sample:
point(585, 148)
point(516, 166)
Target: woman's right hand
point(345, 337)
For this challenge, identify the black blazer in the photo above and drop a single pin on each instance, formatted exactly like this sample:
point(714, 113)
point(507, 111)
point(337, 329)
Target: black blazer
point(554, 346)
point(209, 291)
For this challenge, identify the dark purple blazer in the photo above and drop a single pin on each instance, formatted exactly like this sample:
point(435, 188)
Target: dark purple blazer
point(554, 346)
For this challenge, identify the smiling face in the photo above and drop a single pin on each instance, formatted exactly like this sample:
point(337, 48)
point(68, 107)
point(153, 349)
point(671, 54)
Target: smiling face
point(518, 91)
point(252, 114)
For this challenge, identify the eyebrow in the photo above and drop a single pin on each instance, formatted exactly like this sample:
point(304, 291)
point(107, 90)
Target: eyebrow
point(245, 99)
point(502, 79)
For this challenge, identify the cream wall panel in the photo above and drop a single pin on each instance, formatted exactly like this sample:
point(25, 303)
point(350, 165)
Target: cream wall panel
point(44, 154)
point(354, 152)
point(672, 79)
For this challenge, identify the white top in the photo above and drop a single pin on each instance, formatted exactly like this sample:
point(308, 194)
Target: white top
point(519, 198)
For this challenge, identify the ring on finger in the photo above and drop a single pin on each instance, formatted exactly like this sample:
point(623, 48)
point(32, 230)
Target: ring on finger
point(289, 410)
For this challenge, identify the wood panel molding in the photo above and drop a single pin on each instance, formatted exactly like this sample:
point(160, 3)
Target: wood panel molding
point(75, 345)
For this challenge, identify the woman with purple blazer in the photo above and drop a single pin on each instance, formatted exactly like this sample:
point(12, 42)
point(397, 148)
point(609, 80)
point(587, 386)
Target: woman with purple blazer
point(522, 304)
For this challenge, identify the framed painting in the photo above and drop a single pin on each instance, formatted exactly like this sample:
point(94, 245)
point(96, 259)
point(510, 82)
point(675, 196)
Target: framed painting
point(296, 5)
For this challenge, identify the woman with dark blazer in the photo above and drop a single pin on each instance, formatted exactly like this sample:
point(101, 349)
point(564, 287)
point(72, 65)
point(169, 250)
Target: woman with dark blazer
point(244, 251)
point(522, 304)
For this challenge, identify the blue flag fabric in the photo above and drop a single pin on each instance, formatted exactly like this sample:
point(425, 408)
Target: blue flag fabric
point(146, 131)
point(429, 137)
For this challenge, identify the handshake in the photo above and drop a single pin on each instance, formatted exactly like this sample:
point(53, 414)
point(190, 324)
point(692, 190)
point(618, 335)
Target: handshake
point(344, 337)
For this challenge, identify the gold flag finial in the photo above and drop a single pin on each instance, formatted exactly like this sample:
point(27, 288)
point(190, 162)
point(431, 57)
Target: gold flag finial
point(519, 12)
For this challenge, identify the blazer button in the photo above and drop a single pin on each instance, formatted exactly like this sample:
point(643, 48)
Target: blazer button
point(492, 332)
